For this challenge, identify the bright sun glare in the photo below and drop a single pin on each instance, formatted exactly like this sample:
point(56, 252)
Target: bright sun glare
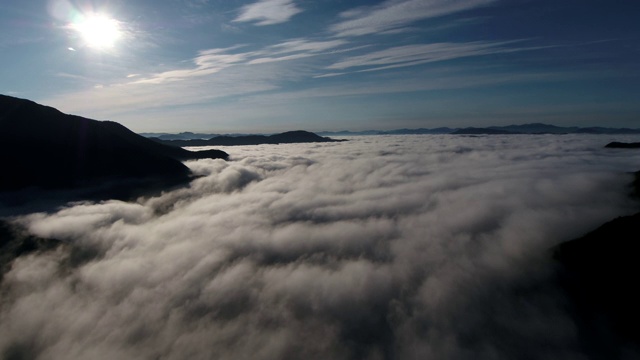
point(98, 31)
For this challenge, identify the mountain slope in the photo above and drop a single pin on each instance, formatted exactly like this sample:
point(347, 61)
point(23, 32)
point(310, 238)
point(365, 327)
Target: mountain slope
point(622, 145)
point(599, 271)
point(42, 147)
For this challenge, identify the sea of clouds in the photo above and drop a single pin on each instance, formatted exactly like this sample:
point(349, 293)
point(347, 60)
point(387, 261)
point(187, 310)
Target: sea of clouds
point(385, 247)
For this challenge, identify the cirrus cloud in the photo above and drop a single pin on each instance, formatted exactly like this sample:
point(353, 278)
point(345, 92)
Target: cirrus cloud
point(393, 15)
point(268, 12)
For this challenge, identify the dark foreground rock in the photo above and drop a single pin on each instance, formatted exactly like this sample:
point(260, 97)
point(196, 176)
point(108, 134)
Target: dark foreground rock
point(622, 145)
point(48, 158)
point(40, 147)
point(599, 273)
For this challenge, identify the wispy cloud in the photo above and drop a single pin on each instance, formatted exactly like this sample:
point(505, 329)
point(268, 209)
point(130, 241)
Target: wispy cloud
point(409, 55)
point(329, 75)
point(439, 79)
point(295, 49)
point(393, 15)
point(268, 12)
point(197, 4)
point(212, 61)
point(114, 101)
point(242, 74)
point(207, 62)
point(296, 45)
point(212, 74)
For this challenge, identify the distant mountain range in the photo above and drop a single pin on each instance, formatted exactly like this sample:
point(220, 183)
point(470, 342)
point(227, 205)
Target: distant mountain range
point(43, 148)
point(187, 135)
point(537, 128)
point(289, 137)
point(533, 128)
point(420, 131)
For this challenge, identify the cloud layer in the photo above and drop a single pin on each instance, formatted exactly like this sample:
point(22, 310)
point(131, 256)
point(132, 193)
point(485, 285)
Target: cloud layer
point(380, 247)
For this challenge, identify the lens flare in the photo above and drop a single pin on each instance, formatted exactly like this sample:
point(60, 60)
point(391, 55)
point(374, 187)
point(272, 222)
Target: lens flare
point(98, 31)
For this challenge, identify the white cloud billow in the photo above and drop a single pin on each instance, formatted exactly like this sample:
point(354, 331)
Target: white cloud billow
point(381, 247)
point(268, 12)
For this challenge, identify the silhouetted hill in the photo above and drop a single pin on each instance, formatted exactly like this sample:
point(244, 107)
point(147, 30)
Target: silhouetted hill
point(42, 147)
point(535, 128)
point(420, 131)
point(621, 145)
point(289, 137)
point(600, 274)
point(482, 131)
point(350, 133)
point(187, 135)
point(532, 128)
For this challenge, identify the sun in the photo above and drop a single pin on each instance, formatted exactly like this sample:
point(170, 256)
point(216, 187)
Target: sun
point(98, 31)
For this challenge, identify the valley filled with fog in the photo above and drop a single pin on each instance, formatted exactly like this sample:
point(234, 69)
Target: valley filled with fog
point(403, 247)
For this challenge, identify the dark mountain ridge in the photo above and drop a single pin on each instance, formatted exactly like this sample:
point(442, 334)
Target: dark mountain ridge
point(187, 135)
point(622, 145)
point(531, 128)
point(44, 148)
point(482, 131)
point(599, 271)
point(538, 128)
point(289, 137)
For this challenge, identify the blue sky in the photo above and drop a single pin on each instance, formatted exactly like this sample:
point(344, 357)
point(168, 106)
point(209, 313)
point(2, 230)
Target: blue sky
point(275, 65)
